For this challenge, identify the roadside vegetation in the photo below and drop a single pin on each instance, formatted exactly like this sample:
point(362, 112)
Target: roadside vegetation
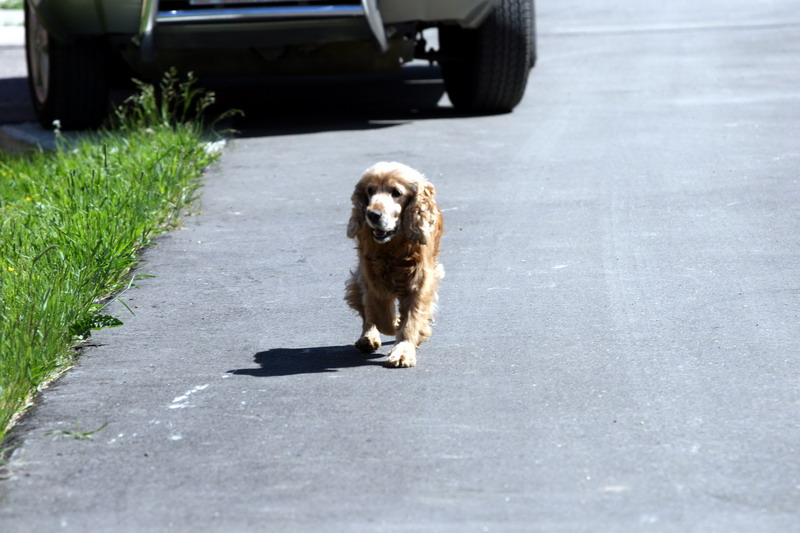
point(11, 4)
point(72, 221)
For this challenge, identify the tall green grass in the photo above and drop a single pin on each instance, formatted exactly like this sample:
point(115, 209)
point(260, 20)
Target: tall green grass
point(71, 222)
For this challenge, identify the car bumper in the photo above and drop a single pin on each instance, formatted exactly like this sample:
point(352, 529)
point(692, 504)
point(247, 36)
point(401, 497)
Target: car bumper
point(68, 19)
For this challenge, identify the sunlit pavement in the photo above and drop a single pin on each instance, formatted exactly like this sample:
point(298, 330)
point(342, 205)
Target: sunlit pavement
point(617, 343)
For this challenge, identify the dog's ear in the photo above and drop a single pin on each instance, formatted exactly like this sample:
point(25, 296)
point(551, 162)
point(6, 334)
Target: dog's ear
point(359, 200)
point(419, 216)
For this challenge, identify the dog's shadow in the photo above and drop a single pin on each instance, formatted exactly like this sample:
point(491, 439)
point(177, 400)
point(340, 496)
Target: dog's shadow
point(293, 361)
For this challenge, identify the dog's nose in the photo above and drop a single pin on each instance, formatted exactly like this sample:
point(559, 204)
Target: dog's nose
point(374, 215)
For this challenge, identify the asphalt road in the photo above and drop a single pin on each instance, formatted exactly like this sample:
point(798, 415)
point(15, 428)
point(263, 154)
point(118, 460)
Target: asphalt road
point(617, 347)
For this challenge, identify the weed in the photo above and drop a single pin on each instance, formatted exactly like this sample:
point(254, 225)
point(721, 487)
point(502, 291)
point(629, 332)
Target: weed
point(75, 434)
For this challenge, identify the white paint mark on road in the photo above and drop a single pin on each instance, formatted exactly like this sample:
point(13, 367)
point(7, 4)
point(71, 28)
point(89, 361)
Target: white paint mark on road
point(180, 402)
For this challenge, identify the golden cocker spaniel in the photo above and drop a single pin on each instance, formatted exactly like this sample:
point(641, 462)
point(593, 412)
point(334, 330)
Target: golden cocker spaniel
point(397, 227)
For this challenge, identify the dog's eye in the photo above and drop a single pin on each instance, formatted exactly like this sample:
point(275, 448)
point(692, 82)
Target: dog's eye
point(396, 193)
point(370, 191)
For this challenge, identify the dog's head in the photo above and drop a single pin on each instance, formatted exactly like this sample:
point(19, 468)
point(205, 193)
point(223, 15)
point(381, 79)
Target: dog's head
point(393, 198)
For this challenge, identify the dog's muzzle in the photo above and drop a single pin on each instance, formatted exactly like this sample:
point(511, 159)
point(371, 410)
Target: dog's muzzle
point(375, 219)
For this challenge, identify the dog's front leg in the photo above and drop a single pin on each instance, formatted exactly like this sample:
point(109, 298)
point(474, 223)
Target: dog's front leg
point(415, 314)
point(378, 316)
point(404, 353)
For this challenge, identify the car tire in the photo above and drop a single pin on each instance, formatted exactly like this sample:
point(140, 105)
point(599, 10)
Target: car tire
point(68, 81)
point(486, 69)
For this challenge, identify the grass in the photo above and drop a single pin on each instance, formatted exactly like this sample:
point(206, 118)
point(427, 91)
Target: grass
point(72, 221)
point(11, 4)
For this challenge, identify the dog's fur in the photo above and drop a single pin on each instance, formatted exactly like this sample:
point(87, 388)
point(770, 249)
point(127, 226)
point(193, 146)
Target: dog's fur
point(397, 227)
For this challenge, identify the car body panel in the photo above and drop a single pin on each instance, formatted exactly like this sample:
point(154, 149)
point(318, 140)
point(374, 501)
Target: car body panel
point(68, 19)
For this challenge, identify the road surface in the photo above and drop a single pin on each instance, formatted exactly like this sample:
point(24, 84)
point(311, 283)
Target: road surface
point(617, 346)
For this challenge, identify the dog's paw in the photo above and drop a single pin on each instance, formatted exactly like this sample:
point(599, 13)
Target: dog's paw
point(368, 344)
point(404, 355)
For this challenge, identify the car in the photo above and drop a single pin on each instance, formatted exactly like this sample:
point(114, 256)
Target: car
point(77, 50)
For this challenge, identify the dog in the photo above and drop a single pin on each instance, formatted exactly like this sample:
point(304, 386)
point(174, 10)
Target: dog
point(397, 226)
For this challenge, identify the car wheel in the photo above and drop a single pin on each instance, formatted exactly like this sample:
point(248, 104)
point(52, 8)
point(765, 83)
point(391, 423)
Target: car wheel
point(68, 81)
point(486, 69)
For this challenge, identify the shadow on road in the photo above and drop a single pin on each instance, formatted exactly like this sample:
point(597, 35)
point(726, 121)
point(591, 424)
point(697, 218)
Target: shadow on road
point(296, 105)
point(15, 102)
point(332, 103)
point(293, 361)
